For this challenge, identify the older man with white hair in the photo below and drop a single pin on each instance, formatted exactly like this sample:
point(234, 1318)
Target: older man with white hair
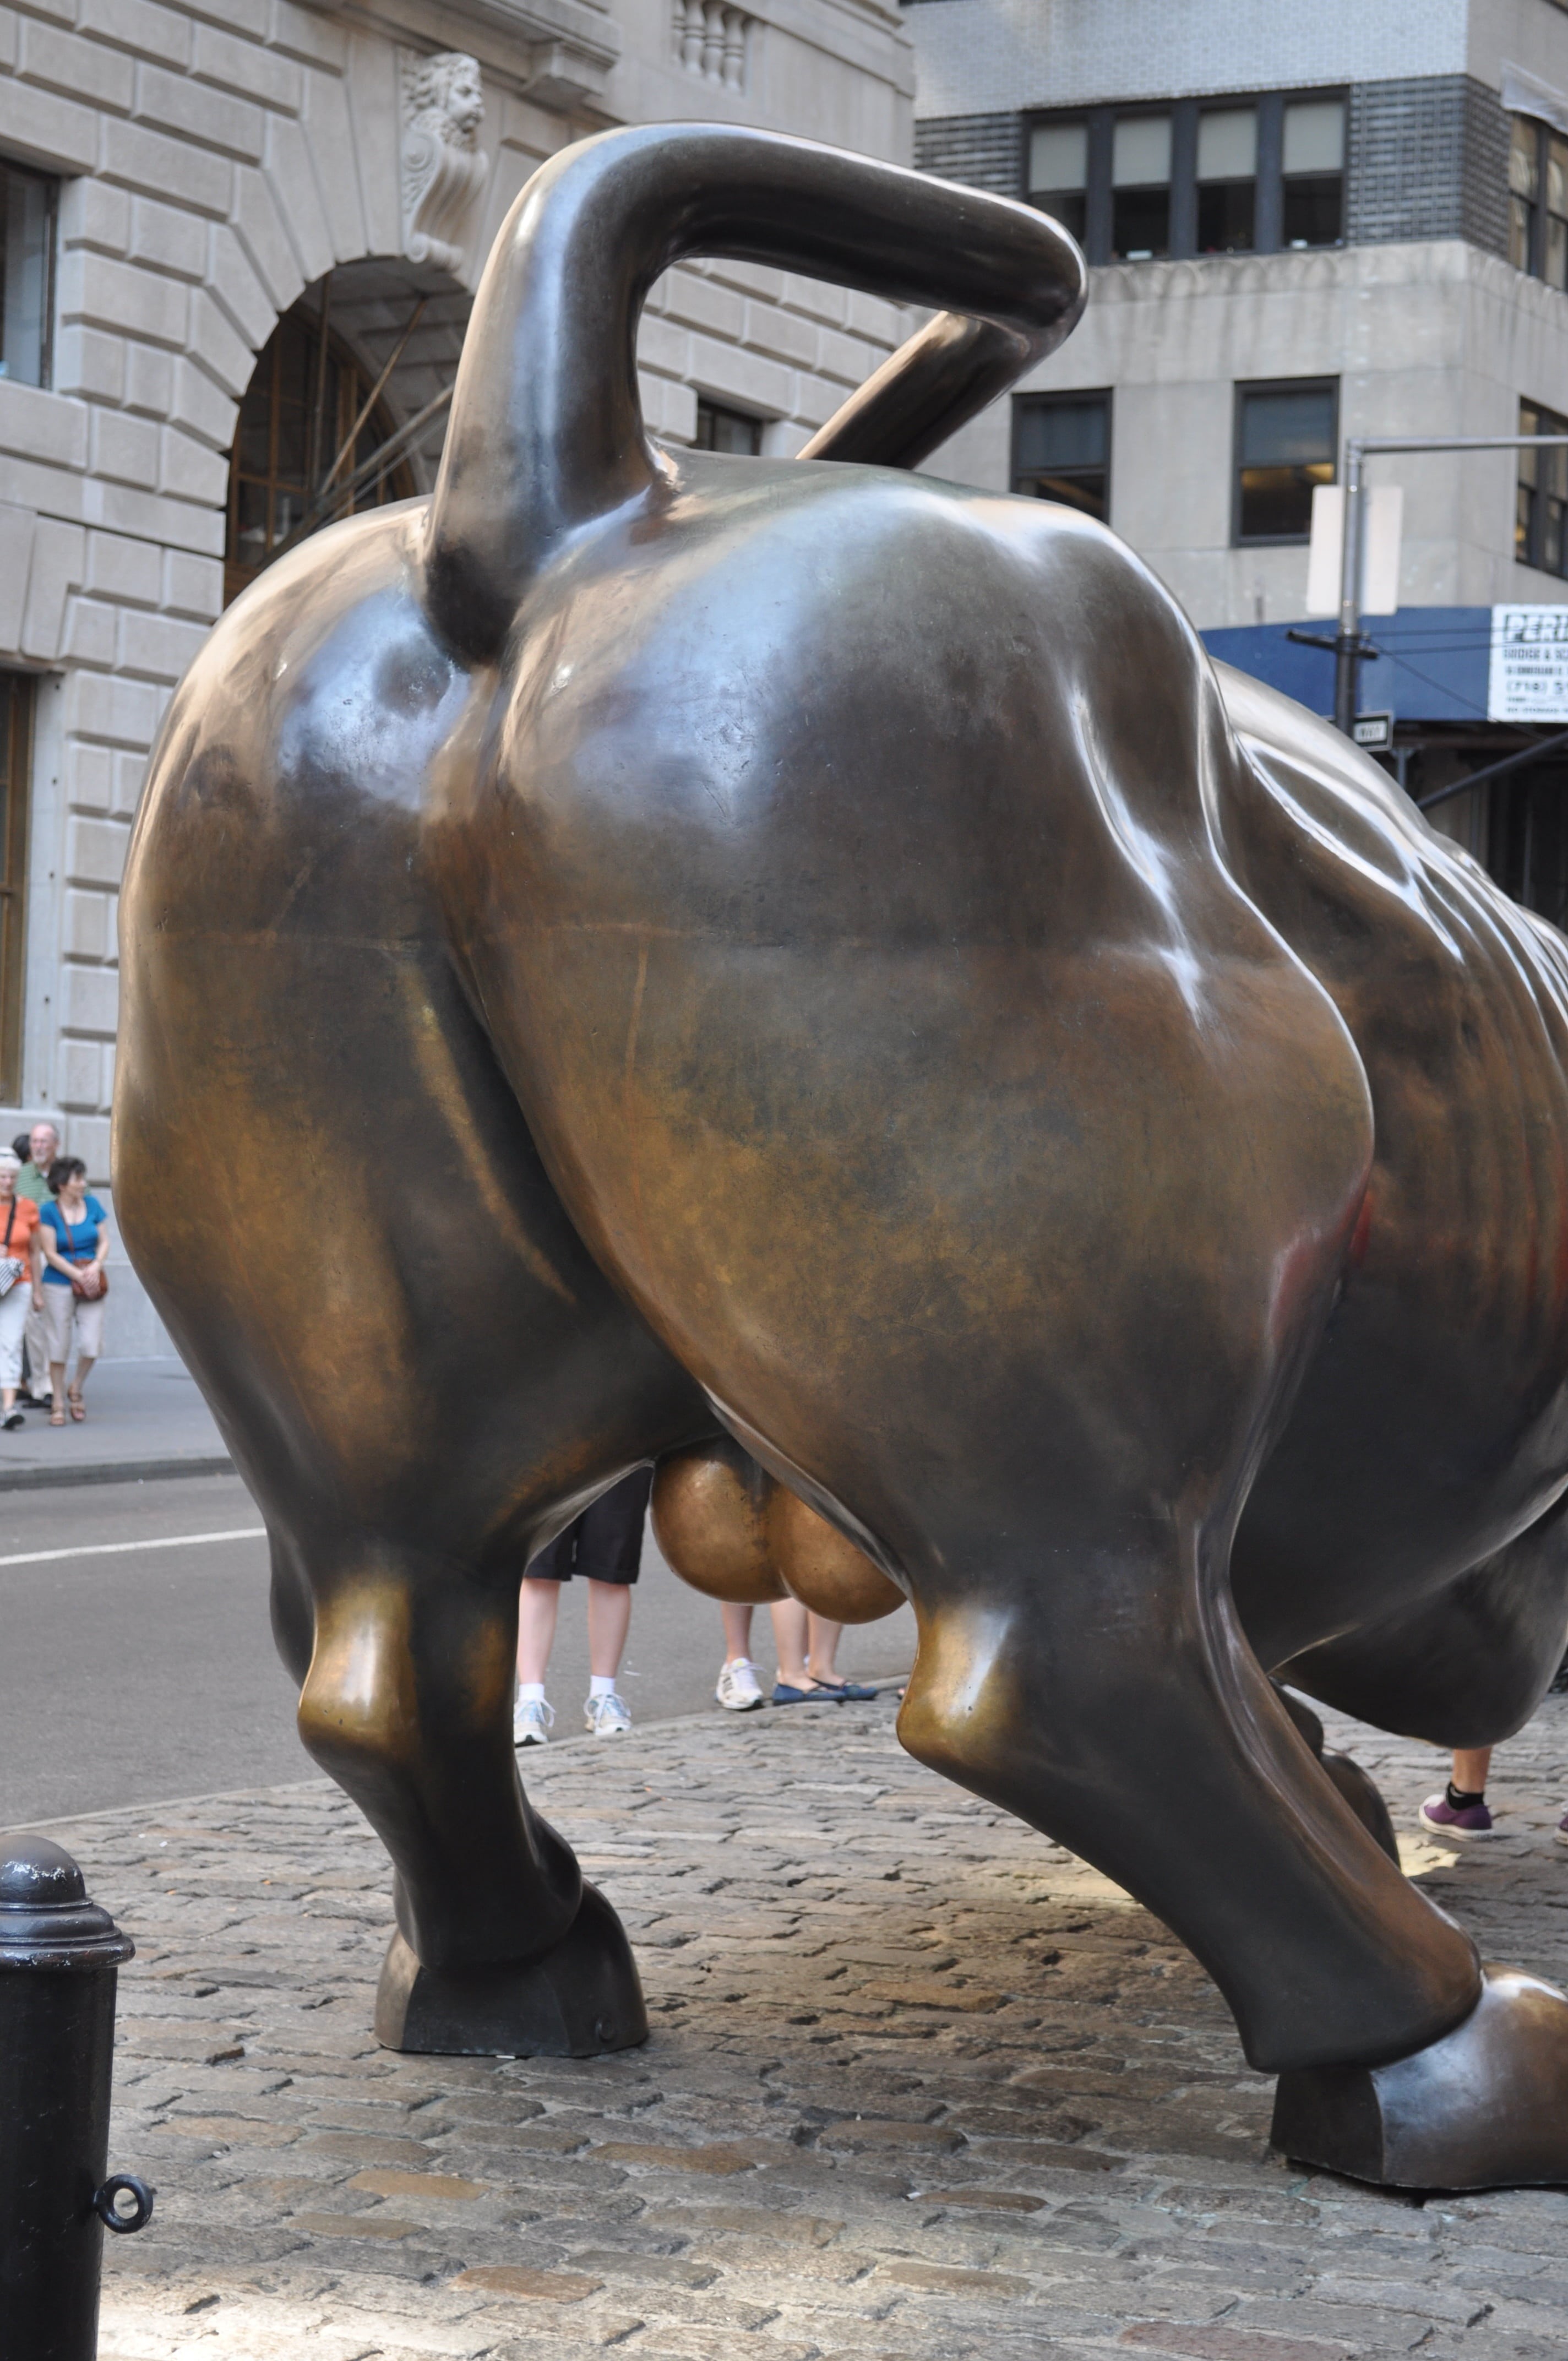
point(32, 1181)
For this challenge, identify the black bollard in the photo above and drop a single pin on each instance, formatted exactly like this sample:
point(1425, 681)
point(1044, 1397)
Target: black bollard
point(59, 1957)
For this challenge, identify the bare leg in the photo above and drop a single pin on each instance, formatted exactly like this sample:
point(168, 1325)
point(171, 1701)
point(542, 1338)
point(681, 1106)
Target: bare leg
point(610, 1620)
point(1471, 1764)
point(790, 1634)
point(82, 1367)
point(736, 1633)
point(821, 1655)
point(539, 1603)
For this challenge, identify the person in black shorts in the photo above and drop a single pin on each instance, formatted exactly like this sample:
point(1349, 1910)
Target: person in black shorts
point(605, 1546)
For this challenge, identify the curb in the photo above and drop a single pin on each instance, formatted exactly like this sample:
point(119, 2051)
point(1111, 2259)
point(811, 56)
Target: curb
point(112, 1471)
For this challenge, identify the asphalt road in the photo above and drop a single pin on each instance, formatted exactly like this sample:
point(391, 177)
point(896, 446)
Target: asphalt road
point(135, 1674)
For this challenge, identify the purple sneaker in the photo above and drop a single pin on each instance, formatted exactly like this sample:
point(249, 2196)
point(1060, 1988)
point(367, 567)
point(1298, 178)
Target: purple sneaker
point(1563, 1829)
point(1439, 1815)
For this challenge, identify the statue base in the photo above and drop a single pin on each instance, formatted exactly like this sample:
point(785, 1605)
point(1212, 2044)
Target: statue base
point(581, 1999)
point(1484, 2107)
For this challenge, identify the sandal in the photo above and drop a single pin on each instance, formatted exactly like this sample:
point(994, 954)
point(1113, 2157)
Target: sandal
point(74, 1399)
point(57, 1418)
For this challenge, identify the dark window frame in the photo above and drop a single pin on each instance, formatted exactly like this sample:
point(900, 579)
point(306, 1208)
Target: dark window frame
point(1532, 499)
point(18, 698)
point(1242, 389)
point(1541, 210)
point(1269, 185)
point(728, 411)
point(49, 184)
point(1061, 399)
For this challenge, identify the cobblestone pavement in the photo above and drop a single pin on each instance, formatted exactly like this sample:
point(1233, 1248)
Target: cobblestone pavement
point(920, 2086)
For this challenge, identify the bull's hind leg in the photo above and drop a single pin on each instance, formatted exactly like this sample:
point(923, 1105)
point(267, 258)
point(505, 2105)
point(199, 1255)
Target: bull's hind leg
point(1108, 1696)
point(408, 1703)
point(1118, 1708)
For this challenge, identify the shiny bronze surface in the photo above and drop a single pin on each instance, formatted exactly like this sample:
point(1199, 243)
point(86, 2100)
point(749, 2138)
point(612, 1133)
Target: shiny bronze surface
point(709, 1513)
point(819, 954)
point(726, 1526)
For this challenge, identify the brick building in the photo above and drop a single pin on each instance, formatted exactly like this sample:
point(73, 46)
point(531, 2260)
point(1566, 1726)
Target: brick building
point(1303, 225)
point(240, 241)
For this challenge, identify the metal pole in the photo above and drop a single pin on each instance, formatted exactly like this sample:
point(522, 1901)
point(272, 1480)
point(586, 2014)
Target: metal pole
point(59, 1957)
point(1347, 646)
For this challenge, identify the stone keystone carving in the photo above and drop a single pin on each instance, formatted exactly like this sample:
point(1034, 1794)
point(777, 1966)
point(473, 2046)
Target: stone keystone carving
point(444, 166)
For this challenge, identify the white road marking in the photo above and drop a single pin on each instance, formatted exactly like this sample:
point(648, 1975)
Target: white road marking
point(115, 1549)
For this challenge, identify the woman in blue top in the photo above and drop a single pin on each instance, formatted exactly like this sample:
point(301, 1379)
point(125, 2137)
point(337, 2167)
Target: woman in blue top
point(74, 1237)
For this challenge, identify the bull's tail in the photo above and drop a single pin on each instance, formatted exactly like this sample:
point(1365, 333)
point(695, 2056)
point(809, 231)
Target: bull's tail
point(546, 428)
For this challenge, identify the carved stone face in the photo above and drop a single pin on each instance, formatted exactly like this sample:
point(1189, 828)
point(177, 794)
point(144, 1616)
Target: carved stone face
point(465, 108)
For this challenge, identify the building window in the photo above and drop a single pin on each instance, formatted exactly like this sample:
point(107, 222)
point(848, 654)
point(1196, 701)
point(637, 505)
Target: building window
point(294, 426)
point(1058, 173)
point(1524, 192)
point(719, 429)
point(27, 255)
point(1542, 498)
point(1061, 449)
point(1313, 172)
point(1287, 438)
point(15, 766)
point(1140, 188)
point(1227, 180)
point(1195, 176)
point(1538, 230)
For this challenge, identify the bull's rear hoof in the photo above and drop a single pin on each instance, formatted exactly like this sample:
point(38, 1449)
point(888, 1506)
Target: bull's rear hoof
point(582, 1998)
point(1486, 2107)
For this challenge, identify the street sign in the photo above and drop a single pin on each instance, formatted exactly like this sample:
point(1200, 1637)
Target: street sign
point(1374, 732)
point(1528, 676)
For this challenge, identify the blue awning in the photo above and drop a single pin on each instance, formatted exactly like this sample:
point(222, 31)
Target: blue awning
point(1433, 666)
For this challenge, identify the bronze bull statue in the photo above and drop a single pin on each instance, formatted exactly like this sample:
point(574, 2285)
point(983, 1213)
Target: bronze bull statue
point(648, 948)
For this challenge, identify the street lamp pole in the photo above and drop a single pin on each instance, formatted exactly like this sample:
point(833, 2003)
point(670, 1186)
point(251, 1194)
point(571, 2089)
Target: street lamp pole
point(1357, 450)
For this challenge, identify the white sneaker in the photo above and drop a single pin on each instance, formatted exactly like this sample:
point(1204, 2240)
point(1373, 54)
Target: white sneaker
point(532, 1721)
point(605, 1716)
point(739, 1690)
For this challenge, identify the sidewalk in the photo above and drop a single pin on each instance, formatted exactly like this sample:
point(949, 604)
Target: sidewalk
point(144, 1418)
point(921, 2087)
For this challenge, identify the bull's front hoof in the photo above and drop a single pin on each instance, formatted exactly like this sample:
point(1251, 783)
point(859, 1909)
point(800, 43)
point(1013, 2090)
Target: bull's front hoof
point(582, 1998)
point(1486, 2107)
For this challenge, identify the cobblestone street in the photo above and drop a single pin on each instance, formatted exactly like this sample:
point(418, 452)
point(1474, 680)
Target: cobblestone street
point(920, 2086)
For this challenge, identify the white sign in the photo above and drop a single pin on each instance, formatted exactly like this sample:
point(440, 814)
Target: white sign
point(1375, 731)
point(1528, 676)
point(1382, 529)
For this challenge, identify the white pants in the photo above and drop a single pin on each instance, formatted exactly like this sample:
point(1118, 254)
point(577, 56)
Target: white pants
point(61, 1304)
point(13, 1309)
point(38, 1346)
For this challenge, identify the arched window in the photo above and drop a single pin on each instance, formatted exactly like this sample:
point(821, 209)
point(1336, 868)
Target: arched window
point(294, 423)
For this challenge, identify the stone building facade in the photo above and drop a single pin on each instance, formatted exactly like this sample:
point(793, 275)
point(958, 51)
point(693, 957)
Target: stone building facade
point(191, 185)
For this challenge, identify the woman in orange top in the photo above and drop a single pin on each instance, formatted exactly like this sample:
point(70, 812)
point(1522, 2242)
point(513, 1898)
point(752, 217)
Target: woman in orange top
point(18, 1221)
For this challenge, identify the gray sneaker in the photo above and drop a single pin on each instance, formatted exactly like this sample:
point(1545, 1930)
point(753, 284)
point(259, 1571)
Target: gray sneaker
point(605, 1716)
point(531, 1722)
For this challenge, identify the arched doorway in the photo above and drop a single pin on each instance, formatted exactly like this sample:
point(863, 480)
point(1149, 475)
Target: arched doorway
point(324, 425)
